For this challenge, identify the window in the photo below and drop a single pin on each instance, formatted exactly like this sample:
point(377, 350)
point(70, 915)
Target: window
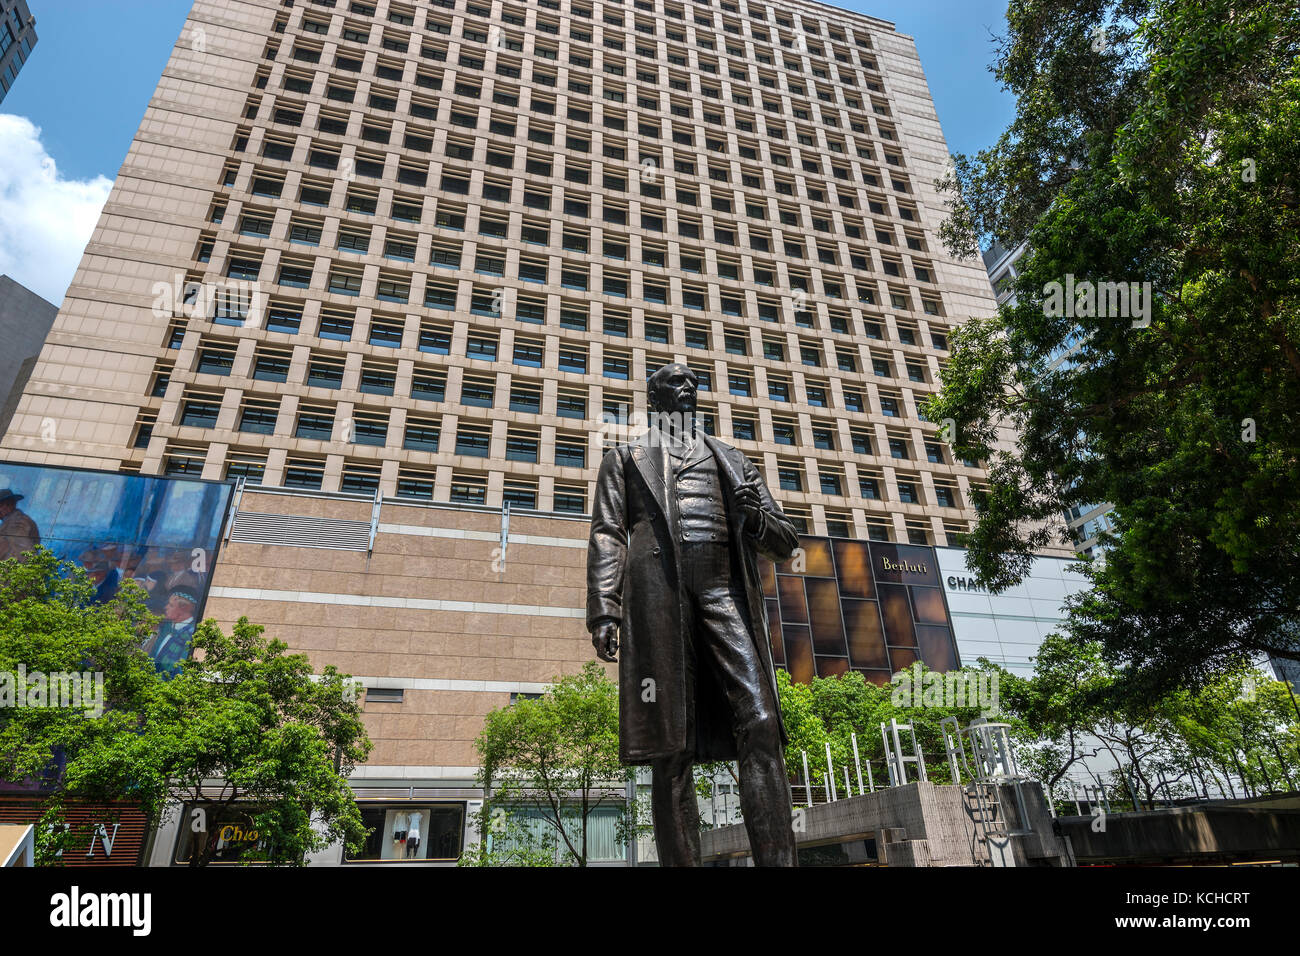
point(314, 422)
point(325, 372)
point(570, 499)
point(477, 392)
point(529, 352)
point(824, 438)
point(334, 325)
point(303, 473)
point(200, 411)
point(392, 288)
point(271, 366)
point(473, 440)
point(249, 467)
point(258, 417)
point(215, 361)
point(525, 398)
point(421, 434)
point(481, 346)
point(378, 380)
point(571, 404)
point(573, 359)
point(570, 451)
point(522, 446)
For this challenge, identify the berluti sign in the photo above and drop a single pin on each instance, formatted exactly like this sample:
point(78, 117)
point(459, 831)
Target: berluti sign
point(903, 567)
point(871, 606)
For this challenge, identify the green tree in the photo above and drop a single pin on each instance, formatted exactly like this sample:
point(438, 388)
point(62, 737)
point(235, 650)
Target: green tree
point(507, 841)
point(830, 710)
point(1155, 141)
point(245, 731)
point(556, 755)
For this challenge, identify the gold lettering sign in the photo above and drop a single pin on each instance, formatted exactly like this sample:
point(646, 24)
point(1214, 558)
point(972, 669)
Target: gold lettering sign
point(907, 566)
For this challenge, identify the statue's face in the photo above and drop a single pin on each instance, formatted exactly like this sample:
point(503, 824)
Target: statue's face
point(673, 390)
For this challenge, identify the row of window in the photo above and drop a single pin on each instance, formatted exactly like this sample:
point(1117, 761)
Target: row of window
point(414, 171)
point(342, 278)
point(514, 13)
point(308, 473)
point(521, 491)
point(764, 48)
point(650, 178)
point(260, 415)
point(570, 358)
point(728, 146)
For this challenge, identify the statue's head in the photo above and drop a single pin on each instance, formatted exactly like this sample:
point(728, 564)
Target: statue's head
point(672, 389)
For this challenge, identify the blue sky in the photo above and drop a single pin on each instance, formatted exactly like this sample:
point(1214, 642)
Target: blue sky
point(98, 61)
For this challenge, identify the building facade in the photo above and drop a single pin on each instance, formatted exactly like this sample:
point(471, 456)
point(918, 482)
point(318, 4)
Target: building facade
point(399, 265)
point(26, 319)
point(429, 250)
point(17, 38)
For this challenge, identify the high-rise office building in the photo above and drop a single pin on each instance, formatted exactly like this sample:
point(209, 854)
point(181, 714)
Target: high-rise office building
point(397, 264)
point(1086, 523)
point(446, 239)
point(17, 38)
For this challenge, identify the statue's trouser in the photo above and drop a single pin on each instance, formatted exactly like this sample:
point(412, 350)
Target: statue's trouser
point(715, 604)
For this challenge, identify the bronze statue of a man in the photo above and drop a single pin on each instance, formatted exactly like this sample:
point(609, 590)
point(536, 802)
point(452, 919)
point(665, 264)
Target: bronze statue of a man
point(672, 577)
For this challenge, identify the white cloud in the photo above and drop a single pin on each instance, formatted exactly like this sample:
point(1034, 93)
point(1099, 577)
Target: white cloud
point(45, 220)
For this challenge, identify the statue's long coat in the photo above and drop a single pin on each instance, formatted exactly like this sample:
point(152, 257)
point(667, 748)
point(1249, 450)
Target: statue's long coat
point(632, 562)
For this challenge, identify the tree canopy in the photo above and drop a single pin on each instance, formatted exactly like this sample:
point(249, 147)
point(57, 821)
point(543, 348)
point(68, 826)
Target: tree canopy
point(244, 733)
point(556, 755)
point(1155, 141)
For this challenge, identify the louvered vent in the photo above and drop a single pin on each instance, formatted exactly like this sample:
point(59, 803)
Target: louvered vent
point(381, 793)
point(301, 531)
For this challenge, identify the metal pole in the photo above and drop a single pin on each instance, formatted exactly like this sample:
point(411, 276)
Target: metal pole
point(713, 790)
point(631, 815)
point(830, 771)
point(870, 782)
point(848, 788)
point(807, 780)
point(857, 761)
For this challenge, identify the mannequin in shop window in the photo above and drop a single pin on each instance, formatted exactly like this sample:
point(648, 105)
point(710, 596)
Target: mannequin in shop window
point(413, 835)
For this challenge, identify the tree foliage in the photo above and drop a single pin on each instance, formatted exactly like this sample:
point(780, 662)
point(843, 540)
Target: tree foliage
point(244, 730)
point(1236, 734)
point(831, 710)
point(1155, 141)
point(557, 755)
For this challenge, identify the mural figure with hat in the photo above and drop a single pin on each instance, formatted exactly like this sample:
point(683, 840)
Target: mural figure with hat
point(171, 644)
point(106, 578)
point(18, 533)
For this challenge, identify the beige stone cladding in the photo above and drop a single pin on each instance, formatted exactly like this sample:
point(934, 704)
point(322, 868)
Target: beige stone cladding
point(468, 230)
point(435, 610)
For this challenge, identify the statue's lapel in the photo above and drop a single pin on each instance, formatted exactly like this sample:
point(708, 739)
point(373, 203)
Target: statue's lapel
point(651, 460)
point(731, 468)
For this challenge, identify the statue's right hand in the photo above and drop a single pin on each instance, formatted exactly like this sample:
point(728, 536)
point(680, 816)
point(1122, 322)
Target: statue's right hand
point(605, 639)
